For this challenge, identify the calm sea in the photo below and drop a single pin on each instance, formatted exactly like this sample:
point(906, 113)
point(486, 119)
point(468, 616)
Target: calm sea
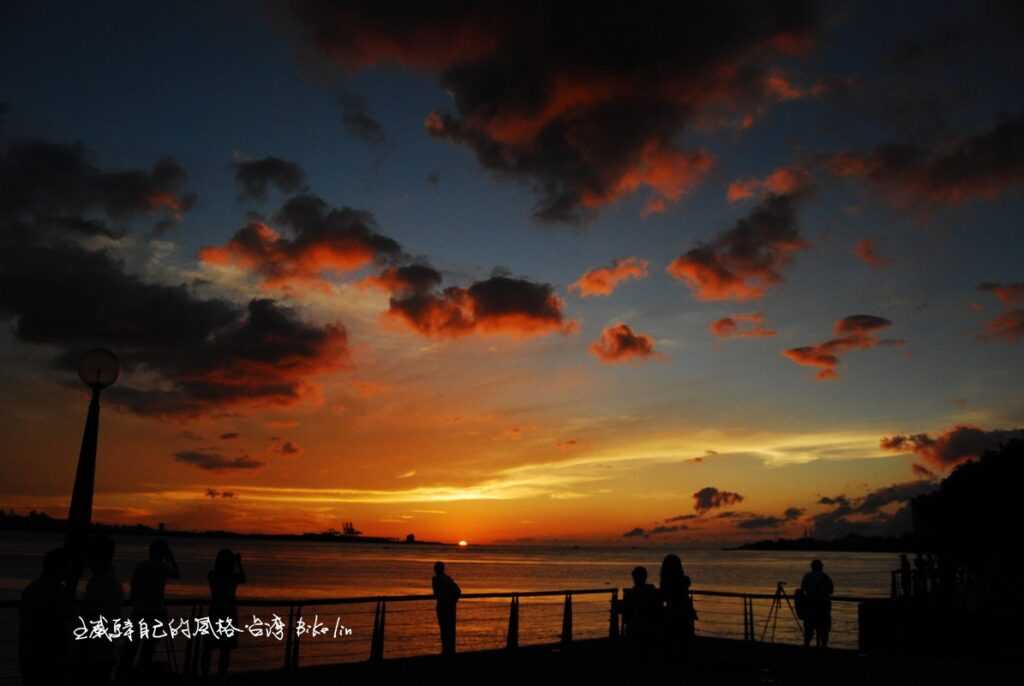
point(283, 569)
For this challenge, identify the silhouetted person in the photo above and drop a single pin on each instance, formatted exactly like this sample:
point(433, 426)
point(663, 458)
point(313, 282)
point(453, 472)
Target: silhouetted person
point(678, 614)
point(920, 576)
point(447, 593)
point(147, 598)
point(43, 617)
point(224, 580)
point(641, 613)
point(103, 597)
point(906, 576)
point(817, 589)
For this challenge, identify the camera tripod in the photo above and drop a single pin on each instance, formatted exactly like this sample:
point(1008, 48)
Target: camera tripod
point(772, 619)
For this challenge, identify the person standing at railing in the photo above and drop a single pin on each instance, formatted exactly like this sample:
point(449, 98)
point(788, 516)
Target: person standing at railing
point(148, 587)
point(906, 576)
point(641, 614)
point(817, 589)
point(43, 618)
point(103, 597)
point(678, 615)
point(224, 580)
point(447, 593)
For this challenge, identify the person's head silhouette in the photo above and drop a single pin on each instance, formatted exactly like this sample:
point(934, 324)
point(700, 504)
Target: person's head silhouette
point(671, 571)
point(639, 575)
point(57, 563)
point(438, 568)
point(817, 566)
point(225, 562)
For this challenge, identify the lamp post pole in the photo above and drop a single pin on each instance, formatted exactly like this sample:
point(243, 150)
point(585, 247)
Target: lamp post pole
point(98, 369)
point(80, 512)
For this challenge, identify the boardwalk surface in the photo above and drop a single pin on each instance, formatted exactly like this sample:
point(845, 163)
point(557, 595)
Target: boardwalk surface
point(714, 662)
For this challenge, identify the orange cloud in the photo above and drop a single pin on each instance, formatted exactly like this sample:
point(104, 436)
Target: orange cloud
point(1009, 326)
point(1008, 293)
point(669, 173)
point(782, 181)
point(619, 343)
point(408, 279)
point(582, 129)
point(743, 262)
point(322, 240)
point(856, 332)
point(499, 305)
point(729, 327)
point(866, 251)
point(604, 280)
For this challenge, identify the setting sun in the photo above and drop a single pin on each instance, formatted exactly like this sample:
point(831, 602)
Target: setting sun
point(463, 544)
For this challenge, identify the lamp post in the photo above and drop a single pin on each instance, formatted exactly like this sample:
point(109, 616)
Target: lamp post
point(98, 369)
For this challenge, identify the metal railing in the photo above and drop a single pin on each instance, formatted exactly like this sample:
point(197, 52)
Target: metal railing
point(384, 627)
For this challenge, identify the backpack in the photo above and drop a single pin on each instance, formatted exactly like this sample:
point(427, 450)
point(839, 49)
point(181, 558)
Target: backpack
point(800, 603)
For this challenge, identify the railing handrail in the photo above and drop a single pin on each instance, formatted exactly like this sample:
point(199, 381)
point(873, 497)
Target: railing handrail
point(355, 600)
point(771, 596)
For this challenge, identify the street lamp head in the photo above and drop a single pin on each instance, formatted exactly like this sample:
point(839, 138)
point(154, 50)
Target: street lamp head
point(98, 368)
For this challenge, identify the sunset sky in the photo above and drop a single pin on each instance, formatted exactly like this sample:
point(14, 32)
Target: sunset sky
point(665, 273)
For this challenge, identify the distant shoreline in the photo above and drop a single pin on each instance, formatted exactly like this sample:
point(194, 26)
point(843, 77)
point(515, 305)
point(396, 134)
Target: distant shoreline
point(43, 522)
point(849, 544)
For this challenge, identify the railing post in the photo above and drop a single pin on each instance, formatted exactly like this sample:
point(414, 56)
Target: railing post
point(567, 621)
point(187, 668)
point(288, 637)
point(295, 641)
point(377, 642)
point(613, 620)
point(749, 611)
point(512, 640)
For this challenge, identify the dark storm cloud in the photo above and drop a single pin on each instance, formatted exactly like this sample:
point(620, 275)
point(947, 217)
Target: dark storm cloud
point(57, 186)
point(748, 259)
point(322, 239)
point(897, 493)
point(709, 498)
point(208, 353)
point(586, 105)
point(952, 446)
point(255, 177)
point(500, 304)
point(357, 120)
point(792, 513)
point(215, 462)
point(865, 515)
point(981, 166)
